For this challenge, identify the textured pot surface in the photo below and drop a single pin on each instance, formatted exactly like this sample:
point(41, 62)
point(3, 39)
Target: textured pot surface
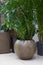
point(4, 42)
point(25, 49)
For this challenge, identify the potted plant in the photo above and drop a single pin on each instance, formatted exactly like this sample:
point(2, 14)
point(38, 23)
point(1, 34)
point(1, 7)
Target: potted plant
point(24, 46)
point(40, 25)
point(39, 10)
point(4, 39)
point(7, 27)
point(4, 36)
point(8, 9)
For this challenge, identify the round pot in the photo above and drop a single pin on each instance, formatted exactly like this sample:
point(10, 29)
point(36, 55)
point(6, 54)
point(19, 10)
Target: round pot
point(40, 48)
point(25, 49)
point(4, 42)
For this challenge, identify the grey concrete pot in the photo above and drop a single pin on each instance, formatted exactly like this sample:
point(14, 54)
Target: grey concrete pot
point(4, 42)
point(25, 49)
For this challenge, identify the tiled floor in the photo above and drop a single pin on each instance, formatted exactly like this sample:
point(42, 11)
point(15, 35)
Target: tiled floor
point(12, 59)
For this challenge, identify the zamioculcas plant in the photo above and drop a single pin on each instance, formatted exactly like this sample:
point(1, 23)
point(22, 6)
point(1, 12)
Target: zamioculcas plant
point(39, 10)
point(40, 20)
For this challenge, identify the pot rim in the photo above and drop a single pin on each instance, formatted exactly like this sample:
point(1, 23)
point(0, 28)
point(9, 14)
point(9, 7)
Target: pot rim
point(4, 32)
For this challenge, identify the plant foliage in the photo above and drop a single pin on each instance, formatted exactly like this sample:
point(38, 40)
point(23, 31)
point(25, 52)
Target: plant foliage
point(19, 16)
point(39, 9)
point(38, 4)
